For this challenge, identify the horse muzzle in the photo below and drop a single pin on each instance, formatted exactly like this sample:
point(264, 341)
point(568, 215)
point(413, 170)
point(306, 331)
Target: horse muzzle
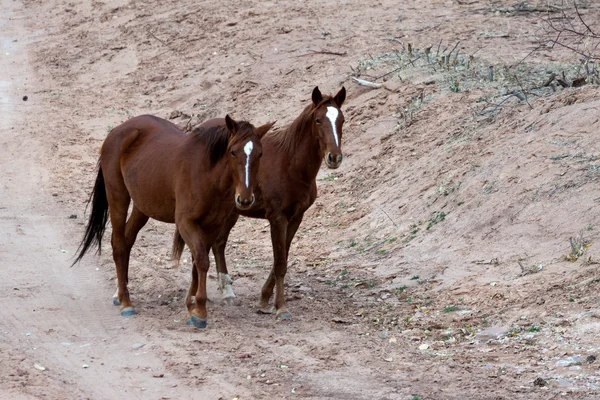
point(244, 204)
point(332, 161)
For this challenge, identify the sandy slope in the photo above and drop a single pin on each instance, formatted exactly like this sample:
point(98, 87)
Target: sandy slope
point(388, 297)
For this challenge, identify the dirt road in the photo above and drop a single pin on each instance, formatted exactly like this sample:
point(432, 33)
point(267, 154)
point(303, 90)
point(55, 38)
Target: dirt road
point(431, 267)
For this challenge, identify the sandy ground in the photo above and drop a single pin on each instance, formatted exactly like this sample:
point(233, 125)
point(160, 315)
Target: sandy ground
point(432, 265)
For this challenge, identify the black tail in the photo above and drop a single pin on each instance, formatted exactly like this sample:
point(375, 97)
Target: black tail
point(98, 218)
point(178, 245)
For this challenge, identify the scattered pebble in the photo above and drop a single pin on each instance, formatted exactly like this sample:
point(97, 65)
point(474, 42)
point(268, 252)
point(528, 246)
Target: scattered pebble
point(491, 333)
point(73, 216)
point(567, 362)
point(540, 382)
point(590, 359)
point(138, 346)
point(85, 366)
point(424, 346)
point(40, 367)
point(25, 98)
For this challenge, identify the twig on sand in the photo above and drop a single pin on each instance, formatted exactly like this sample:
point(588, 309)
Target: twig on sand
point(390, 218)
point(313, 52)
point(366, 83)
point(161, 41)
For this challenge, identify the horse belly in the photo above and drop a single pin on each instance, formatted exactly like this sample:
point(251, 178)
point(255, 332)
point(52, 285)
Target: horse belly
point(151, 196)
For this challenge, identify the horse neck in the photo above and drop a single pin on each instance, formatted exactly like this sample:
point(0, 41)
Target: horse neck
point(305, 153)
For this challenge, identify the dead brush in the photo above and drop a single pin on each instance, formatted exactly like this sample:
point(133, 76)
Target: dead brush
point(451, 69)
point(407, 114)
point(579, 246)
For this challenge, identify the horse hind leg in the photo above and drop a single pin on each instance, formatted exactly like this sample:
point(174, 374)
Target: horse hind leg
point(134, 224)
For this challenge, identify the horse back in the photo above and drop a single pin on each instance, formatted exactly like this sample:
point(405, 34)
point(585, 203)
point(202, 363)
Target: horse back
point(140, 156)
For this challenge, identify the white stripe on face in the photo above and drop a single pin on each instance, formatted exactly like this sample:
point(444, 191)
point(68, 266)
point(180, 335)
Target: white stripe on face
point(332, 114)
point(247, 150)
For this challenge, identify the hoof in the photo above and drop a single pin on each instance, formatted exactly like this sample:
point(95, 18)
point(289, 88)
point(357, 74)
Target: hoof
point(116, 301)
point(196, 322)
point(229, 301)
point(128, 311)
point(284, 315)
point(264, 310)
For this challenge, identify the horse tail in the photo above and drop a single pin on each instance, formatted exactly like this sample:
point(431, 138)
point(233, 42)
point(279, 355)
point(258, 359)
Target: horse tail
point(178, 245)
point(98, 218)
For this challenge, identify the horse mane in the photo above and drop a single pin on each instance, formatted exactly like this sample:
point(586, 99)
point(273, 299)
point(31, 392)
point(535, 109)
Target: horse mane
point(216, 139)
point(290, 137)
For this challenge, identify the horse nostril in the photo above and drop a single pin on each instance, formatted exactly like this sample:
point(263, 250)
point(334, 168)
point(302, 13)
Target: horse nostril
point(329, 158)
point(252, 199)
point(339, 159)
point(238, 200)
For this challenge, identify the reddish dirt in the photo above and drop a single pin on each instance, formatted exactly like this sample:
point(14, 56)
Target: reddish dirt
point(432, 265)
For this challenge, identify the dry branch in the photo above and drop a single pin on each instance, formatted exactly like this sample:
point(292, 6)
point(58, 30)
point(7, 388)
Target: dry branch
point(366, 83)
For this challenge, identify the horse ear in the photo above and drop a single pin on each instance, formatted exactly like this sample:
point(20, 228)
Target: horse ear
point(231, 125)
point(340, 96)
point(262, 130)
point(316, 96)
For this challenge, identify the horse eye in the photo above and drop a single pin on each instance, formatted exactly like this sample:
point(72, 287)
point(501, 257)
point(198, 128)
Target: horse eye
point(318, 121)
point(260, 155)
point(233, 153)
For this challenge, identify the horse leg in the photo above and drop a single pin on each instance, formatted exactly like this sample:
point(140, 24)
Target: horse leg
point(279, 227)
point(118, 203)
point(218, 250)
point(135, 223)
point(189, 301)
point(196, 241)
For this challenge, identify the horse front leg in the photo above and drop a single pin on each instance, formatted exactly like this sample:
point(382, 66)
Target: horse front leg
point(189, 299)
point(218, 250)
point(276, 277)
point(197, 242)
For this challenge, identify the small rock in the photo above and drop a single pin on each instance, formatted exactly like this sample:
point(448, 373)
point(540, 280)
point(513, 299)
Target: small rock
point(158, 78)
point(158, 375)
point(540, 382)
point(393, 340)
point(25, 98)
point(175, 114)
point(138, 346)
point(85, 366)
point(40, 367)
point(388, 359)
point(73, 216)
point(590, 359)
point(491, 333)
point(563, 382)
point(567, 362)
point(424, 346)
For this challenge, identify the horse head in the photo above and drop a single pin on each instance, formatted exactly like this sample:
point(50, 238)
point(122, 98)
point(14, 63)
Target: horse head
point(244, 151)
point(327, 123)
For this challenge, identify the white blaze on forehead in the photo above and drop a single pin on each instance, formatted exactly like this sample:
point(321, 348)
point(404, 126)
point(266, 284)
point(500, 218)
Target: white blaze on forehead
point(247, 150)
point(332, 114)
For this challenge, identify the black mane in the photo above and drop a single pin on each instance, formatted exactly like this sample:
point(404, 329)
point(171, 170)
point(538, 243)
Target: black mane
point(216, 139)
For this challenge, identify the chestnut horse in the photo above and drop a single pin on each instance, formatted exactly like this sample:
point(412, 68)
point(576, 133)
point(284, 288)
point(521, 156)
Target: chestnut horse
point(194, 181)
point(286, 188)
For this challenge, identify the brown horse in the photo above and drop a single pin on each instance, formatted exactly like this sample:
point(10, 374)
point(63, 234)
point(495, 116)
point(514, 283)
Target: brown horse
point(286, 188)
point(194, 181)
